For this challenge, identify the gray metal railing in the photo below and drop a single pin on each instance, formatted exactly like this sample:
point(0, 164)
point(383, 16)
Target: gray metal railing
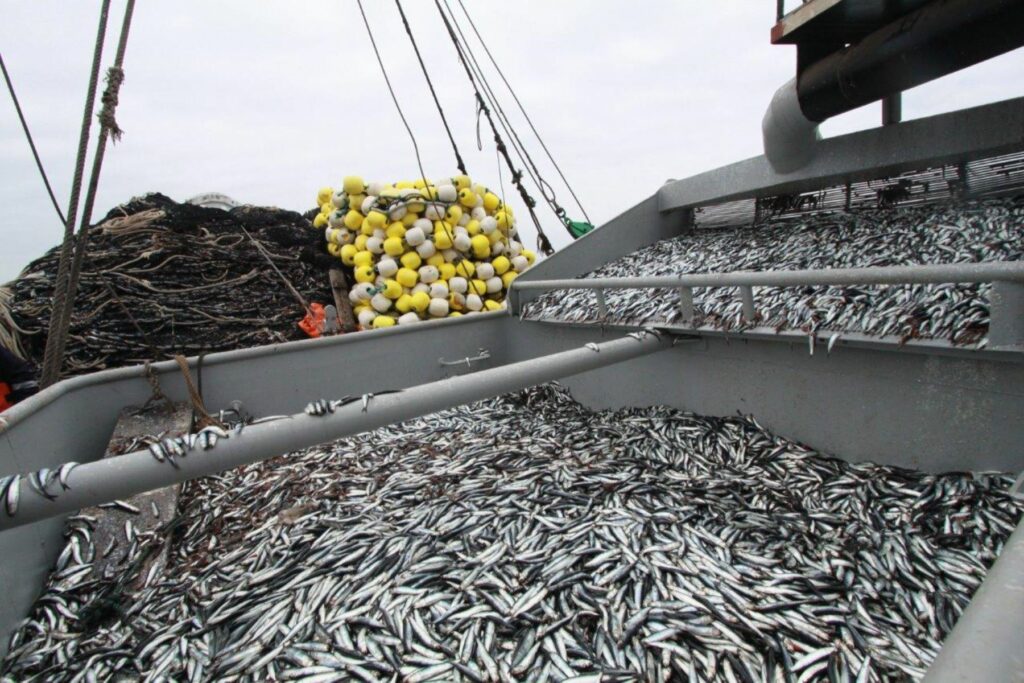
point(105, 480)
point(1007, 277)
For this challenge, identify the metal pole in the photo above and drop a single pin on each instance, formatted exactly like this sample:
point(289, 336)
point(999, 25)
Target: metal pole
point(602, 305)
point(125, 475)
point(933, 41)
point(747, 298)
point(685, 305)
point(1009, 271)
point(892, 109)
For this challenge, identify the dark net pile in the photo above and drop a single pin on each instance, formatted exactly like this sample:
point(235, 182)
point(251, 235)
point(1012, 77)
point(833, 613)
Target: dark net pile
point(163, 278)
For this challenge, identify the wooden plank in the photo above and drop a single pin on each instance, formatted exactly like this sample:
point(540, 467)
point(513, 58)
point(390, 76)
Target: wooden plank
point(339, 287)
point(155, 508)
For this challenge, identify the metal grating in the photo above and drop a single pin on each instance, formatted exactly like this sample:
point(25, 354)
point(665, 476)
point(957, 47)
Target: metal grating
point(992, 176)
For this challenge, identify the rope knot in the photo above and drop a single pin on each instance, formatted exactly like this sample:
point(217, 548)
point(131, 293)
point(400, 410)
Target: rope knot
point(115, 77)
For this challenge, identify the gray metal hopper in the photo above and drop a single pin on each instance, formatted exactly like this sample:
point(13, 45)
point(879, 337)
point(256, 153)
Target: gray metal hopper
point(923, 403)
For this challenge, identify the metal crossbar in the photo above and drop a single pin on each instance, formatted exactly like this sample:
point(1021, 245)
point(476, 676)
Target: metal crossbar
point(1007, 277)
point(1009, 271)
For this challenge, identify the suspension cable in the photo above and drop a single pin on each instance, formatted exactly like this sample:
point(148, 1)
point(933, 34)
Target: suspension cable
point(495, 104)
point(458, 157)
point(517, 175)
point(51, 358)
point(523, 110)
point(108, 129)
point(517, 145)
point(31, 142)
point(391, 90)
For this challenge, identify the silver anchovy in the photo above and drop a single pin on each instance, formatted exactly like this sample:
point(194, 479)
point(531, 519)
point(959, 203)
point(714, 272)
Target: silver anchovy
point(938, 233)
point(528, 538)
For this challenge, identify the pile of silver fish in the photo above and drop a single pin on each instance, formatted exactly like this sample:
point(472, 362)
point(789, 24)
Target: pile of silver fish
point(948, 232)
point(527, 538)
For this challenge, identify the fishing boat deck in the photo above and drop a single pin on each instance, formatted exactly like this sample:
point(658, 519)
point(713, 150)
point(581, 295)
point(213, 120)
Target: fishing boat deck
point(530, 538)
point(936, 233)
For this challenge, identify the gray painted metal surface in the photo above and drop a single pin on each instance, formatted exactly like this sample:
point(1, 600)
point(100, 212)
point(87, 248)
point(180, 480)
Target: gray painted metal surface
point(73, 420)
point(1010, 271)
point(985, 644)
point(926, 410)
point(935, 409)
point(837, 21)
point(790, 139)
point(637, 227)
point(133, 473)
point(1007, 314)
point(913, 409)
point(946, 138)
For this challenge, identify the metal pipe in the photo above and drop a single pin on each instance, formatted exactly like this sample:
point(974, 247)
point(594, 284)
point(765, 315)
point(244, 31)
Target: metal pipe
point(1008, 271)
point(789, 136)
point(936, 40)
point(685, 305)
point(125, 475)
point(747, 298)
point(985, 644)
point(602, 305)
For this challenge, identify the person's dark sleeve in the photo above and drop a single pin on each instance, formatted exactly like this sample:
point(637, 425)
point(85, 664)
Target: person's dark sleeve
point(19, 375)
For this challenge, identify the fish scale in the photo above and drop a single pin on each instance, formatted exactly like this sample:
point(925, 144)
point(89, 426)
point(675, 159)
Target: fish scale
point(529, 538)
point(946, 232)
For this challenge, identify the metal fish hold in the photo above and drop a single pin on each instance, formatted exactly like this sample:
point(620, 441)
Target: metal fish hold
point(526, 538)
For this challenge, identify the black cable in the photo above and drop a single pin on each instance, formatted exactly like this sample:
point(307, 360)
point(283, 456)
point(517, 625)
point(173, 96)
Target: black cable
point(523, 110)
point(391, 90)
point(506, 123)
point(399, 108)
point(458, 157)
point(517, 145)
point(517, 175)
point(31, 143)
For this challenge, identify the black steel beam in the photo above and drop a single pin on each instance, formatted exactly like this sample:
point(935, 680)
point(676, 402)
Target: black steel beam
point(938, 39)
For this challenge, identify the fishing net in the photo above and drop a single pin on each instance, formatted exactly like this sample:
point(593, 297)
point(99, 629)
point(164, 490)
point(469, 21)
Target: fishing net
point(163, 278)
point(420, 250)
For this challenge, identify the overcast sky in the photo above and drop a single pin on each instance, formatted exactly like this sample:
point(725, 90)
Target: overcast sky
point(268, 101)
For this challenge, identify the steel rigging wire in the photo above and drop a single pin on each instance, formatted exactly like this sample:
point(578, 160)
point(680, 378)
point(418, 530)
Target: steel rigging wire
point(31, 142)
point(526, 116)
point(543, 243)
point(458, 157)
point(517, 145)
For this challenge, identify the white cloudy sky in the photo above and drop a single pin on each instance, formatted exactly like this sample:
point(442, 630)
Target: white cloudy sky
point(267, 101)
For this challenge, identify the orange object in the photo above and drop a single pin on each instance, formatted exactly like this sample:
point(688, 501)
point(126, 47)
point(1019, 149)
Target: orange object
point(313, 323)
point(5, 390)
